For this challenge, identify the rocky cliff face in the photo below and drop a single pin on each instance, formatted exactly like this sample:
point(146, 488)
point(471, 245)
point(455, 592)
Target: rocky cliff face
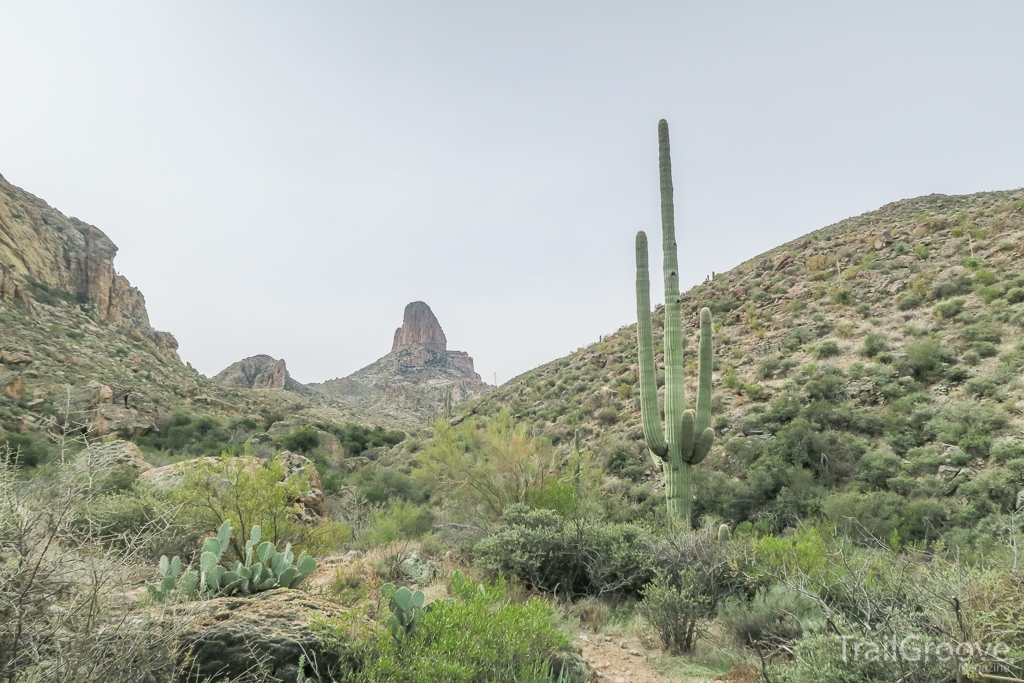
point(420, 328)
point(45, 254)
point(259, 372)
point(409, 384)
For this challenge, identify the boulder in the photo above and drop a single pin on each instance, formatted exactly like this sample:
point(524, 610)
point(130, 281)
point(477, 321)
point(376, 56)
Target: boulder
point(125, 422)
point(269, 631)
point(10, 384)
point(15, 358)
point(947, 472)
point(121, 453)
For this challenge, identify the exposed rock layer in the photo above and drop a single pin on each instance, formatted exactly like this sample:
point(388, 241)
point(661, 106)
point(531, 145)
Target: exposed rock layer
point(420, 328)
point(44, 255)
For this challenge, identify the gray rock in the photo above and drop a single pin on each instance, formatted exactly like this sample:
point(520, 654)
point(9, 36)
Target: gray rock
point(417, 570)
point(227, 637)
point(946, 472)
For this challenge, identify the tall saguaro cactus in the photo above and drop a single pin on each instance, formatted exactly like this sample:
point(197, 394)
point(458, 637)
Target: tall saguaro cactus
point(687, 435)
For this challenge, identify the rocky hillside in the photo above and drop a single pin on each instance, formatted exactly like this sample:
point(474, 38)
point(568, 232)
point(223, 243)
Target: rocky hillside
point(891, 340)
point(408, 385)
point(76, 345)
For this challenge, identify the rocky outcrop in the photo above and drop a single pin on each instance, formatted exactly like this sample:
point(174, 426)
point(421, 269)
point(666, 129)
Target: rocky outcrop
point(408, 385)
point(120, 453)
point(267, 632)
point(46, 257)
point(420, 328)
point(259, 372)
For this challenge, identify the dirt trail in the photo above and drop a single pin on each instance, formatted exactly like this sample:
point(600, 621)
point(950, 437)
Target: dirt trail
point(619, 660)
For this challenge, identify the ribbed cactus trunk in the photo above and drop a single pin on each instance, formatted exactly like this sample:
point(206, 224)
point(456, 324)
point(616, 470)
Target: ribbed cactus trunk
point(687, 435)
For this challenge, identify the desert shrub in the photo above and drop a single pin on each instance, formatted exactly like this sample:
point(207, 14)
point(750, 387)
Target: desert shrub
point(399, 521)
point(380, 483)
point(874, 344)
point(480, 636)
point(822, 657)
point(25, 450)
point(984, 349)
point(356, 439)
point(1007, 449)
point(925, 358)
point(982, 387)
point(909, 300)
point(949, 309)
point(982, 332)
point(776, 616)
point(486, 470)
point(569, 557)
point(843, 297)
point(827, 349)
point(302, 440)
point(972, 426)
point(607, 416)
point(958, 284)
point(1015, 295)
point(624, 458)
point(59, 620)
point(186, 436)
point(248, 494)
point(876, 468)
point(827, 386)
point(676, 612)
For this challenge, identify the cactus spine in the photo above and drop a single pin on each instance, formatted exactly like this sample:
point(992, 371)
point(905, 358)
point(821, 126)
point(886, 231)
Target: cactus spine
point(687, 435)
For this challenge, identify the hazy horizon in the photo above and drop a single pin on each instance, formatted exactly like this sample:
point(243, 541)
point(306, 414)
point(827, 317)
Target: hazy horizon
point(284, 180)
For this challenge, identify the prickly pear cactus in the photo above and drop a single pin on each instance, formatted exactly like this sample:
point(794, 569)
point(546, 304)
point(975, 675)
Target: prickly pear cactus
point(264, 568)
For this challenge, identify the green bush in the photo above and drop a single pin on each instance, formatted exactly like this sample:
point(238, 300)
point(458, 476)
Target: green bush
point(827, 349)
point(982, 332)
point(909, 300)
point(302, 440)
point(1007, 449)
point(24, 449)
point(480, 636)
point(972, 426)
point(822, 657)
point(355, 438)
point(874, 344)
point(925, 358)
point(775, 617)
point(573, 558)
point(949, 309)
point(676, 613)
point(401, 520)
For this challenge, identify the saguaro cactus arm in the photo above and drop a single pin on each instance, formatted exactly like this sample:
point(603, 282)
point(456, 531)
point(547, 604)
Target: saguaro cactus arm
point(649, 413)
point(697, 433)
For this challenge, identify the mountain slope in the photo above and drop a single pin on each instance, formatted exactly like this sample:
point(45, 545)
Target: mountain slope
point(889, 340)
point(76, 343)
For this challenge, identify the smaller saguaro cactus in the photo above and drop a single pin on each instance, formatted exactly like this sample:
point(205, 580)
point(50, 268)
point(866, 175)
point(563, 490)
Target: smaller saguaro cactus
point(724, 534)
point(447, 405)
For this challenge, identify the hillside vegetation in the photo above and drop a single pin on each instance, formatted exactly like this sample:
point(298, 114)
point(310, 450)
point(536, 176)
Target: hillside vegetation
point(864, 488)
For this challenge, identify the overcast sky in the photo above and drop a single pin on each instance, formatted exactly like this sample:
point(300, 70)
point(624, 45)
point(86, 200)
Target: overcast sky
point(284, 177)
